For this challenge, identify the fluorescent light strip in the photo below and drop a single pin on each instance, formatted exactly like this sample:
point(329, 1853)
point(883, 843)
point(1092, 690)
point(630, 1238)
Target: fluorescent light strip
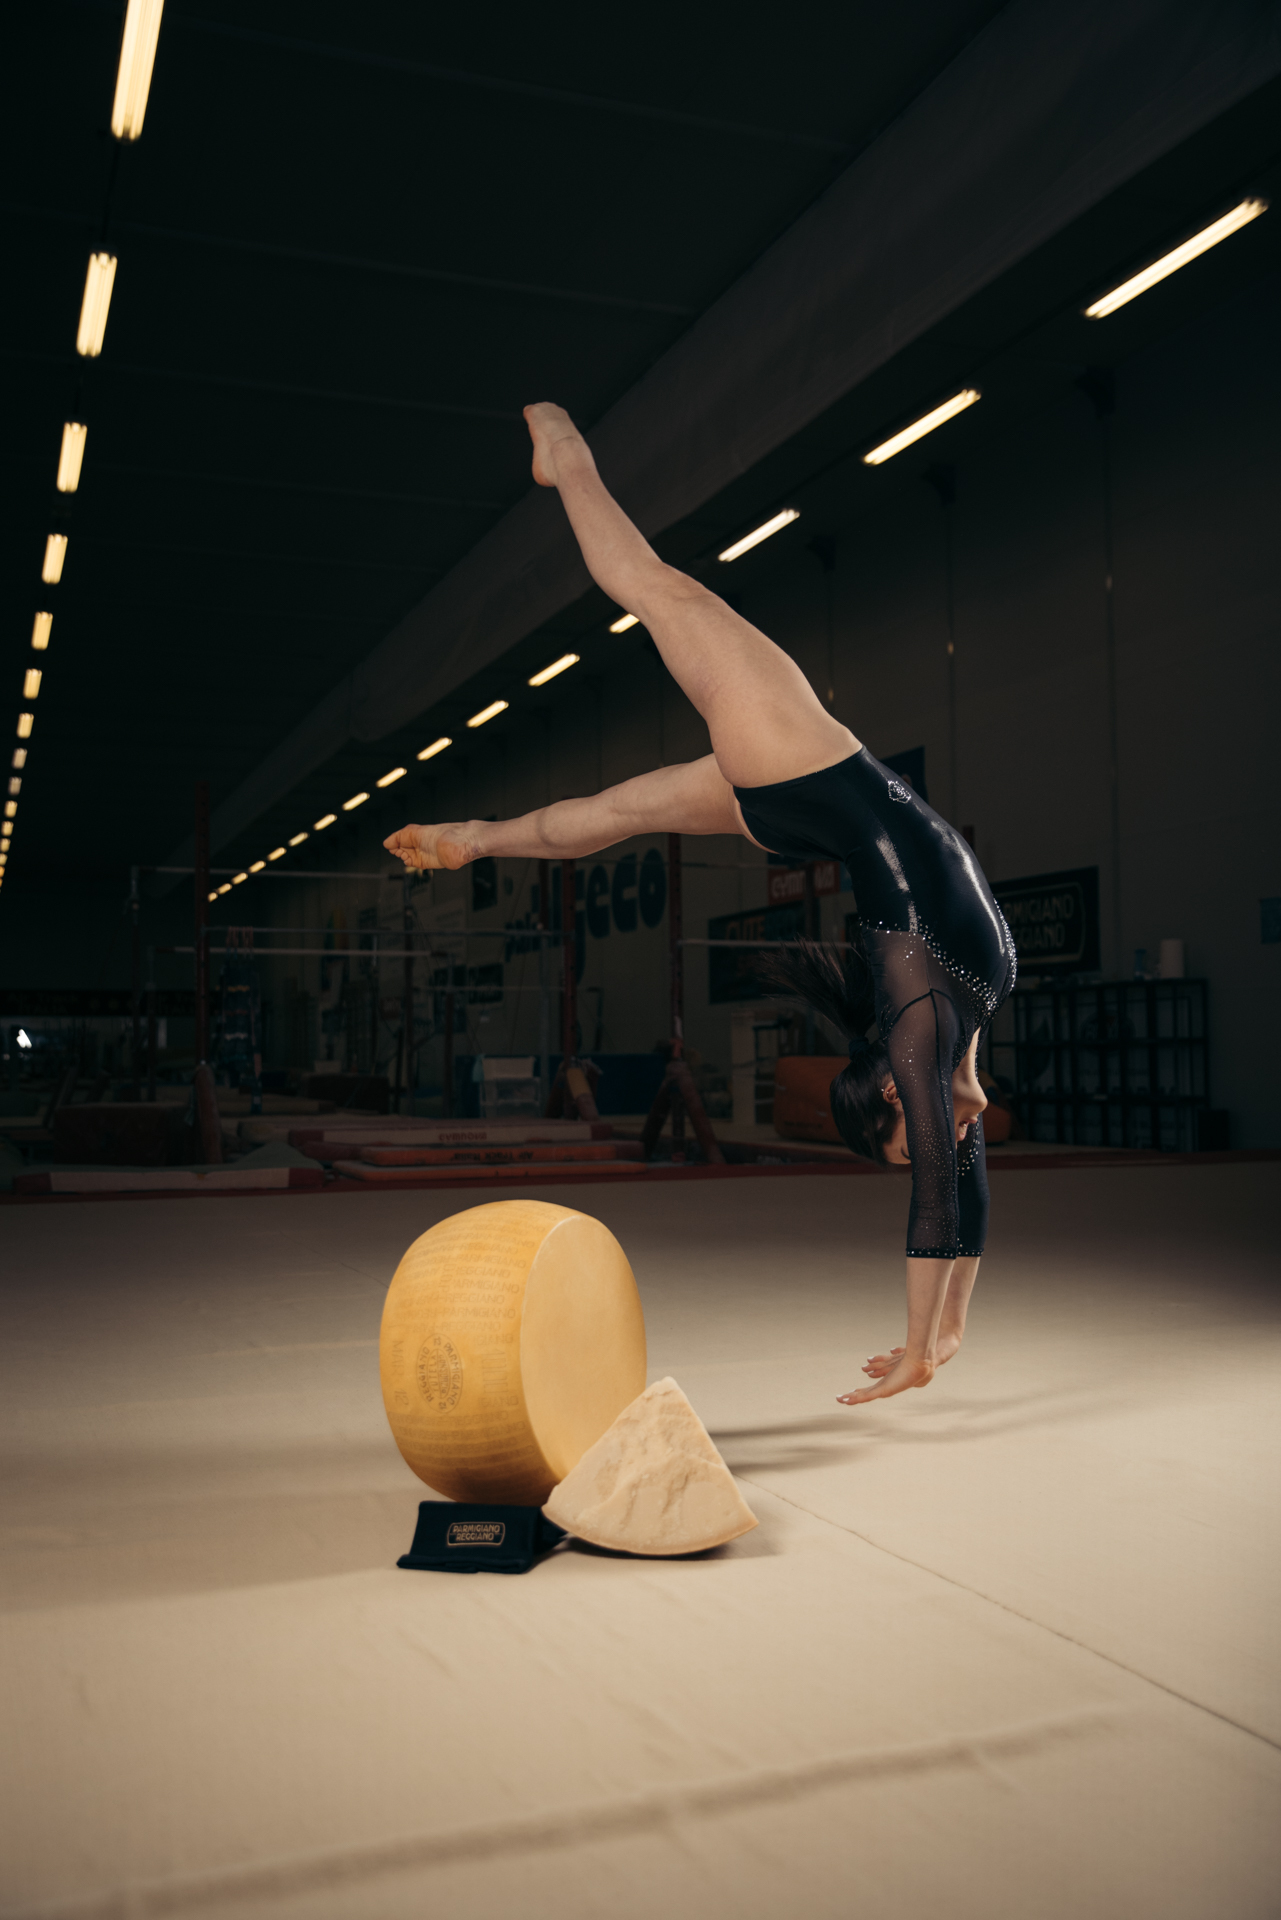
point(133, 76)
point(357, 800)
point(15, 785)
point(397, 773)
point(277, 853)
point(257, 866)
point(40, 631)
point(437, 746)
point(750, 540)
point(225, 887)
point(19, 757)
point(214, 894)
point(236, 878)
point(31, 683)
point(1171, 262)
point(298, 839)
point(557, 666)
point(55, 554)
point(919, 428)
point(325, 820)
point(628, 620)
point(71, 455)
point(10, 809)
point(488, 713)
point(25, 723)
point(99, 280)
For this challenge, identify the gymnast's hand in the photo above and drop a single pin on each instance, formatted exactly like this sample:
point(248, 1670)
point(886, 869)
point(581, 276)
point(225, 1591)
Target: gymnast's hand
point(431, 848)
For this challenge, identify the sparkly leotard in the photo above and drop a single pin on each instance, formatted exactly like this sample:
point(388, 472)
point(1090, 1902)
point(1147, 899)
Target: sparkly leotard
point(941, 955)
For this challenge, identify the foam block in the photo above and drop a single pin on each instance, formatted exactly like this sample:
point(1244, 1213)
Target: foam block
point(654, 1484)
point(512, 1337)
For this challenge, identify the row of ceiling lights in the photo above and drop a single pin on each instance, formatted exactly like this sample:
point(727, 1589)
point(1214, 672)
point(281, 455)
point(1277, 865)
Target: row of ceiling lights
point(1119, 296)
point(488, 713)
point(133, 83)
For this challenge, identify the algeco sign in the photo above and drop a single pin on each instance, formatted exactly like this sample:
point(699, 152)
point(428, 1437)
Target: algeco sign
point(1054, 918)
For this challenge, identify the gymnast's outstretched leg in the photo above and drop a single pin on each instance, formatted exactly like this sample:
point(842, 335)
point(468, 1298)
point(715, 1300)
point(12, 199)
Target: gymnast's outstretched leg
point(765, 720)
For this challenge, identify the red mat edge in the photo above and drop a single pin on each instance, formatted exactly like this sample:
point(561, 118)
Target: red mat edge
point(517, 1176)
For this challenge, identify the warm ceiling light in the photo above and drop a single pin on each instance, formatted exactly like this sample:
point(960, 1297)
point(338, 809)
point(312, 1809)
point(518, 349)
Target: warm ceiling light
point(41, 630)
point(257, 866)
point(225, 887)
point(31, 683)
point(298, 839)
point(93, 308)
point(20, 757)
point(277, 853)
point(10, 809)
point(388, 778)
point(325, 820)
point(557, 666)
point(70, 456)
point(5, 843)
point(214, 894)
point(628, 620)
point(133, 77)
point(919, 428)
point(1171, 262)
point(15, 785)
point(437, 746)
point(487, 713)
point(357, 800)
point(236, 878)
point(750, 540)
point(25, 723)
point(55, 553)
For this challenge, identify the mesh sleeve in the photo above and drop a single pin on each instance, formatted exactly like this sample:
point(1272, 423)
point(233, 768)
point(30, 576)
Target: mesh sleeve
point(926, 1037)
point(971, 1192)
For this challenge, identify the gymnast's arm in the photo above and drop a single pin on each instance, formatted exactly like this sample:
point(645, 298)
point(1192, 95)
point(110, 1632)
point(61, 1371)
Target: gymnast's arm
point(921, 1046)
point(972, 1193)
point(694, 798)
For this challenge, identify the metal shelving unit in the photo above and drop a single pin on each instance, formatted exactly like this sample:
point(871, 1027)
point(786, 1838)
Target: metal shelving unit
point(1120, 1064)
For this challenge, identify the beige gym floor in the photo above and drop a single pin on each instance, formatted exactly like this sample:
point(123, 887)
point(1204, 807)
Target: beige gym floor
point(1005, 1648)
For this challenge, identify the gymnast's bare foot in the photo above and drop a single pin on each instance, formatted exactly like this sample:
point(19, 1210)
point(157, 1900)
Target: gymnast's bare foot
point(903, 1374)
point(549, 427)
point(878, 1365)
point(431, 848)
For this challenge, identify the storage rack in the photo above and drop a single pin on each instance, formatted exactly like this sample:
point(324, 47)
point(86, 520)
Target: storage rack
point(1119, 1064)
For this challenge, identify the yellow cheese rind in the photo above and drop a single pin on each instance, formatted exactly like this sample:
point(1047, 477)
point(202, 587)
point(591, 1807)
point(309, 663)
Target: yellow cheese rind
point(653, 1484)
point(512, 1336)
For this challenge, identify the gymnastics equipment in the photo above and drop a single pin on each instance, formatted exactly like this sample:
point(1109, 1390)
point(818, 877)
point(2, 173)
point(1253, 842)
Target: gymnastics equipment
point(512, 1337)
point(654, 1484)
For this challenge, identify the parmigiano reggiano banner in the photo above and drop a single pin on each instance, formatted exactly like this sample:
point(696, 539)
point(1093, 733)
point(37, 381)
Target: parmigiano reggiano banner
point(512, 1338)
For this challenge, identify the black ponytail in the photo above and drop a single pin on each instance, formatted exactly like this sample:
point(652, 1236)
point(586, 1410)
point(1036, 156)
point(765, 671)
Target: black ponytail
point(837, 982)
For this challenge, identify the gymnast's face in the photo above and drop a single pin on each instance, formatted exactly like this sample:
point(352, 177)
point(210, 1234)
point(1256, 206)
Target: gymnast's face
point(968, 1102)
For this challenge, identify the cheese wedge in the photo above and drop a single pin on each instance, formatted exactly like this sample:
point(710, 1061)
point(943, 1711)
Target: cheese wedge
point(654, 1484)
point(512, 1336)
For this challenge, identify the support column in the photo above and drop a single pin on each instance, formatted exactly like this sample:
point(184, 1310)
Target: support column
point(676, 963)
point(135, 987)
point(569, 996)
point(202, 922)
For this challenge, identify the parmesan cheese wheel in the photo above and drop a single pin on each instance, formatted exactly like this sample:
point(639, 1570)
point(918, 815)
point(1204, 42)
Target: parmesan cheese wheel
point(512, 1336)
point(653, 1484)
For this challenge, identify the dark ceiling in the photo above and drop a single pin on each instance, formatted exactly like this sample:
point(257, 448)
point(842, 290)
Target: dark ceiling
point(346, 260)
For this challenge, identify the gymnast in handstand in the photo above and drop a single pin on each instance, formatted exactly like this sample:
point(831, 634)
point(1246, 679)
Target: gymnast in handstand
point(935, 959)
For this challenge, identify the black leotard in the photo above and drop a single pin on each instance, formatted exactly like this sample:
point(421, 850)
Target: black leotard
point(941, 955)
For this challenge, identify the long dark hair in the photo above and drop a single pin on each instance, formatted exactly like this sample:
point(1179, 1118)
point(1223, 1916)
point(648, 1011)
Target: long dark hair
point(837, 982)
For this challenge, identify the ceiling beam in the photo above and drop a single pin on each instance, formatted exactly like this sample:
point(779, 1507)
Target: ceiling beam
point(1045, 112)
point(353, 263)
point(524, 89)
point(326, 396)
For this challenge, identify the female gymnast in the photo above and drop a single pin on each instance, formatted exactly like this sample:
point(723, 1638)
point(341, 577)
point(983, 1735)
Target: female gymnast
point(937, 959)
